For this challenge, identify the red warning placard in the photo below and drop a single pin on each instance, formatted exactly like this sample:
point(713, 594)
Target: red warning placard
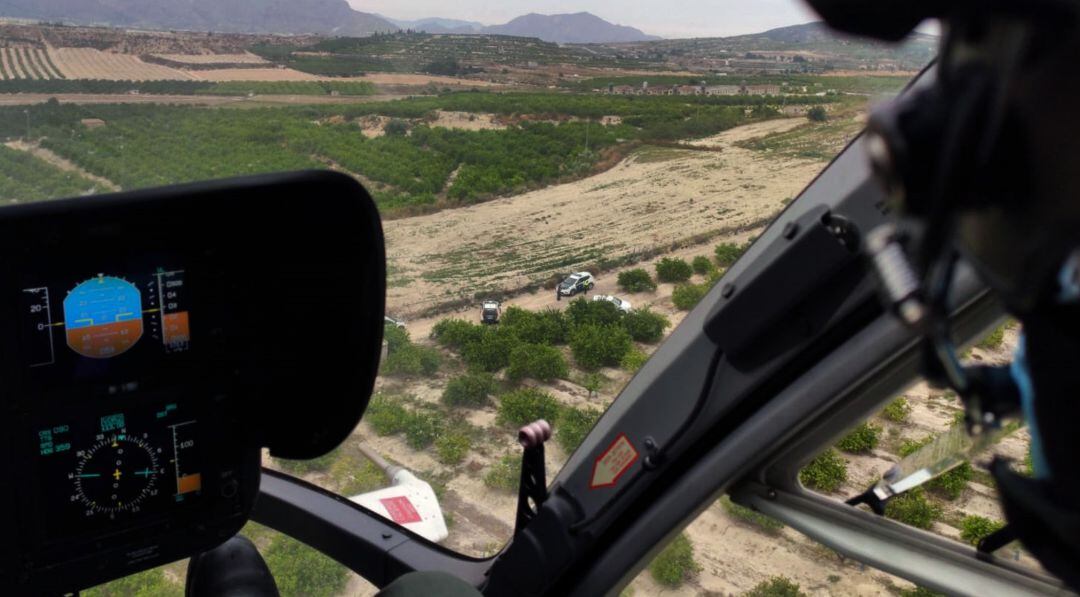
point(400, 509)
point(615, 461)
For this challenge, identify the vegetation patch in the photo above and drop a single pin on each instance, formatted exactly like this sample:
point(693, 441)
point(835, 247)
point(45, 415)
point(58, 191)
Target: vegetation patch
point(862, 440)
point(636, 280)
point(301, 570)
point(504, 475)
point(951, 484)
point(574, 425)
point(826, 473)
point(675, 564)
point(777, 586)
point(673, 270)
point(526, 405)
point(595, 346)
point(644, 325)
point(974, 529)
point(702, 266)
point(914, 509)
point(473, 390)
point(728, 253)
point(537, 361)
point(687, 296)
point(452, 448)
point(897, 411)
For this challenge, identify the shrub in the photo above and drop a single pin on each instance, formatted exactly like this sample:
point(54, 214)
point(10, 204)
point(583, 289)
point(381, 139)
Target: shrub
point(702, 266)
point(542, 363)
point(456, 333)
point(452, 447)
point(673, 270)
point(636, 280)
point(151, 583)
point(582, 312)
point(994, 339)
point(645, 326)
point(526, 405)
point(817, 114)
point(504, 474)
point(633, 360)
point(750, 516)
point(301, 570)
point(861, 440)
point(687, 296)
point(826, 472)
point(574, 425)
point(897, 411)
point(472, 390)
point(910, 446)
point(952, 483)
point(491, 352)
point(407, 359)
point(395, 337)
point(777, 586)
point(913, 508)
point(546, 327)
point(385, 416)
point(976, 528)
point(596, 346)
point(396, 128)
point(675, 565)
point(421, 429)
point(728, 253)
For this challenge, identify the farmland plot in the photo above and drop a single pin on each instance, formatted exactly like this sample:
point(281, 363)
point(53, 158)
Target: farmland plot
point(88, 63)
point(201, 59)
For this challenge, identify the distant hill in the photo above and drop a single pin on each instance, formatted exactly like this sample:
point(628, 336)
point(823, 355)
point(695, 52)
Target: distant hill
point(332, 17)
point(579, 28)
point(437, 25)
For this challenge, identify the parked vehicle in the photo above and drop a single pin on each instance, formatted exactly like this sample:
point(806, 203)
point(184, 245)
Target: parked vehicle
point(575, 283)
point(398, 323)
point(623, 305)
point(491, 312)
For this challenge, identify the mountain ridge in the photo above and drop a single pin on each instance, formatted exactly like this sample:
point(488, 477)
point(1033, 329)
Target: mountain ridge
point(327, 17)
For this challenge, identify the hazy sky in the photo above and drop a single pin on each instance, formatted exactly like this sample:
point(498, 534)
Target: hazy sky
point(667, 18)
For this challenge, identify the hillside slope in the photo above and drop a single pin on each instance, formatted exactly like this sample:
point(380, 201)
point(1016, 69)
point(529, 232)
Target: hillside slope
point(248, 16)
point(578, 28)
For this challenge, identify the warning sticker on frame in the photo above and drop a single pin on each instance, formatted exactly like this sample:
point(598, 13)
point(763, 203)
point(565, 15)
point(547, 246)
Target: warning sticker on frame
point(615, 461)
point(400, 510)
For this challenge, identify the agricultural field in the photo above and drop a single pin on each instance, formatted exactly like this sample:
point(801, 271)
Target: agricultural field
point(91, 63)
point(414, 167)
point(27, 63)
point(24, 177)
point(213, 59)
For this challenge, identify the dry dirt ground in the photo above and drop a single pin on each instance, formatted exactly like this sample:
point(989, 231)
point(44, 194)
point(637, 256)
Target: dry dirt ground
point(654, 198)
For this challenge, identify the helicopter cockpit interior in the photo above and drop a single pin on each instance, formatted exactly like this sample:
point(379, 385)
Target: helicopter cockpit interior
point(157, 351)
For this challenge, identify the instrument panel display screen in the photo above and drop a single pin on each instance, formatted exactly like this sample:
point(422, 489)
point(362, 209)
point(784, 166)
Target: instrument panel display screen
point(104, 471)
point(104, 316)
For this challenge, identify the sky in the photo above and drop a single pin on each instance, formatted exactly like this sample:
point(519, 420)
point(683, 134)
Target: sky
point(667, 18)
